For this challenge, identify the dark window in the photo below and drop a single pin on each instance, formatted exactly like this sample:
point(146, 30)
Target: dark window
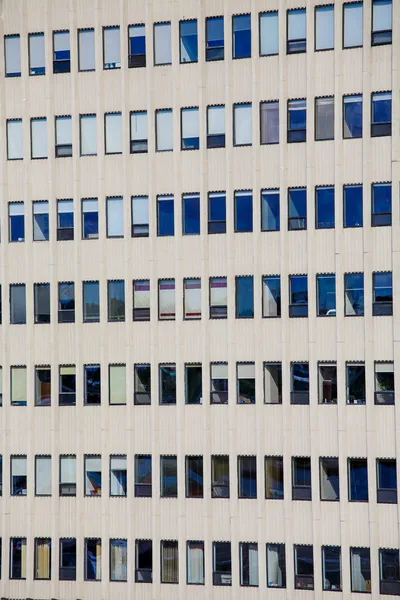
point(143, 476)
point(326, 295)
point(219, 383)
point(303, 568)
point(246, 383)
point(42, 302)
point(42, 386)
point(67, 385)
point(297, 209)
point(169, 561)
point(218, 298)
point(272, 383)
point(191, 214)
point(331, 568)
point(190, 129)
point(142, 382)
point(41, 231)
point(247, 477)
point(352, 117)
point(248, 558)
point(18, 475)
point(61, 52)
point(167, 374)
point(144, 561)
point(216, 126)
point(92, 475)
point(136, 46)
point(355, 375)
point(65, 220)
point(189, 52)
point(243, 211)
point(165, 215)
point(17, 304)
point(269, 115)
point(389, 572)
point(193, 384)
point(354, 294)
point(358, 480)
point(384, 383)
point(241, 42)
point(220, 480)
point(381, 23)
point(382, 294)
point(276, 566)
point(90, 219)
point(194, 477)
point(91, 301)
point(297, 121)
point(360, 563)
point(324, 27)
point(381, 114)
point(222, 563)
point(92, 384)
point(301, 474)
point(245, 297)
point(270, 217)
point(324, 207)
point(327, 384)
point(16, 222)
point(215, 38)
point(66, 302)
point(329, 478)
point(298, 296)
point(296, 31)
point(169, 477)
point(67, 571)
point(116, 300)
point(353, 205)
point(92, 564)
point(17, 558)
point(386, 480)
point(381, 204)
point(274, 486)
point(300, 383)
point(271, 296)
point(217, 212)
point(324, 118)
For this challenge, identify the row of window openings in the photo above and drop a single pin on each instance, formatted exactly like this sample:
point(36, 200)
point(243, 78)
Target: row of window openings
point(327, 386)
point(303, 563)
point(381, 213)
point(381, 125)
point(296, 39)
point(195, 487)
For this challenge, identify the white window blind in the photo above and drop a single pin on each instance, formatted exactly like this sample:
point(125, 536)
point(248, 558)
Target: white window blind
point(246, 371)
point(115, 217)
point(195, 563)
point(269, 34)
point(275, 575)
point(18, 466)
point(218, 292)
point(117, 384)
point(63, 130)
point(43, 476)
point(15, 140)
point(382, 15)
point(139, 126)
point(192, 298)
point(39, 143)
point(119, 559)
point(162, 44)
point(112, 49)
point(12, 48)
point(297, 24)
point(242, 124)
point(190, 123)
point(353, 25)
point(68, 469)
point(141, 293)
point(16, 209)
point(164, 130)
point(87, 54)
point(324, 27)
point(65, 206)
point(270, 308)
point(113, 133)
point(88, 135)
point(166, 298)
point(36, 51)
point(89, 205)
point(18, 385)
point(216, 120)
point(140, 210)
point(118, 466)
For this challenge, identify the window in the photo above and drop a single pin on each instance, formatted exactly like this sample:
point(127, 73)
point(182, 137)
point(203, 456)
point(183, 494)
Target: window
point(188, 52)
point(92, 384)
point(216, 126)
point(113, 133)
point(141, 300)
point(63, 137)
point(136, 46)
point(247, 477)
point(65, 220)
point(303, 568)
point(191, 214)
point(269, 33)
point(241, 33)
point(325, 117)
point(219, 383)
point(243, 211)
point(274, 487)
point(244, 297)
point(386, 481)
point(66, 303)
point(140, 216)
point(18, 386)
point(40, 221)
point(92, 475)
point(192, 298)
point(354, 294)
point(41, 292)
point(246, 383)
point(165, 216)
point(61, 52)
point(143, 476)
point(86, 50)
point(296, 31)
point(139, 132)
point(194, 476)
point(111, 48)
point(36, 54)
point(355, 377)
point(195, 563)
point(169, 562)
point(67, 475)
point(92, 564)
point(144, 561)
point(167, 379)
point(276, 566)
point(162, 44)
point(169, 477)
point(164, 130)
point(298, 296)
point(43, 476)
point(248, 558)
point(218, 298)
point(352, 117)
point(381, 204)
point(90, 219)
point(300, 383)
point(217, 212)
point(67, 385)
point(331, 568)
point(115, 217)
point(389, 571)
point(166, 299)
point(358, 480)
point(270, 217)
point(67, 570)
point(12, 55)
point(190, 129)
point(326, 295)
point(353, 25)
point(272, 383)
point(17, 558)
point(381, 114)
point(353, 205)
point(222, 563)
point(18, 476)
point(215, 38)
point(117, 384)
point(91, 301)
point(297, 121)
point(242, 124)
point(325, 207)
point(384, 383)
point(360, 563)
point(327, 383)
point(301, 478)
point(220, 477)
point(15, 139)
point(381, 24)
point(329, 478)
point(39, 147)
point(42, 386)
point(297, 200)
point(142, 382)
point(17, 304)
point(88, 135)
point(324, 27)
point(16, 222)
point(269, 115)
point(382, 294)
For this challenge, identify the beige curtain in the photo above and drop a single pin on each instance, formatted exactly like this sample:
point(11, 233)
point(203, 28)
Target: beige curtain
point(169, 562)
point(43, 549)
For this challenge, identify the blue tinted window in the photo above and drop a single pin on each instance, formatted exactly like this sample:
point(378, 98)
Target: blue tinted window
point(326, 295)
point(325, 207)
point(387, 474)
point(358, 481)
point(137, 40)
point(243, 211)
point(241, 36)
point(297, 121)
point(382, 107)
point(383, 287)
point(381, 204)
point(191, 215)
point(352, 117)
point(188, 47)
point(298, 296)
point(270, 217)
point(165, 206)
point(244, 297)
point(354, 294)
point(217, 213)
point(297, 31)
point(301, 383)
point(353, 205)
point(90, 218)
point(17, 228)
point(215, 38)
point(297, 208)
point(91, 301)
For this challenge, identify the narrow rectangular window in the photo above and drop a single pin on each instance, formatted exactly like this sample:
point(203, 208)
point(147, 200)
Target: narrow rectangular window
point(92, 564)
point(37, 64)
point(386, 480)
point(42, 386)
point(92, 475)
point(111, 48)
point(219, 383)
point(303, 568)
point(194, 477)
point(144, 561)
point(222, 563)
point(91, 301)
point(67, 385)
point(384, 383)
point(246, 383)
point(65, 220)
point(269, 33)
point(271, 296)
point(141, 300)
point(113, 133)
point(248, 564)
point(18, 386)
point(140, 216)
point(86, 50)
point(272, 383)
point(276, 566)
point(67, 570)
point(164, 130)
point(325, 207)
point(118, 475)
point(297, 121)
point(331, 568)
point(329, 479)
point(18, 475)
point(243, 211)
point(39, 142)
point(358, 479)
point(389, 571)
point(353, 205)
point(139, 132)
point(17, 558)
point(301, 478)
point(188, 49)
point(355, 381)
point(216, 126)
point(270, 210)
point(169, 561)
point(296, 31)
point(40, 221)
point(66, 302)
point(193, 384)
point(244, 297)
point(143, 476)
point(41, 296)
point(162, 44)
point(215, 38)
point(12, 55)
point(242, 124)
point(217, 212)
point(168, 477)
point(136, 46)
point(16, 222)
point(92, 384)
point(17, 304)
point(191, 214)
point(218, 298)
point(190, 132)
point(325, 118)
point(298, 296)
point(269, 116)
point(192, 298)
point(381, 26)
point(117, 384)
point(88, 135)
point(352, 116)
point(300, 383)
point(382, 292)
point(167, 383)
point(297, 208)
point(326, 295)
point(68, 475)
point(381, 204)
point(360, 563)
point(115, 217)
point(353, 20)
point(241, 33)
point(247, 477)
point(327, 383)
point(43, 476)
point(325, 27)
point(118, 560)
point(354, 294)
point(90, 219)
point(61, 52)
point(15, 139)
point(220, 480)
point(165, 216)
point(63, 137)
point(166, 300)
point(274, 486)
point(381, 114)
point(195, 563)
